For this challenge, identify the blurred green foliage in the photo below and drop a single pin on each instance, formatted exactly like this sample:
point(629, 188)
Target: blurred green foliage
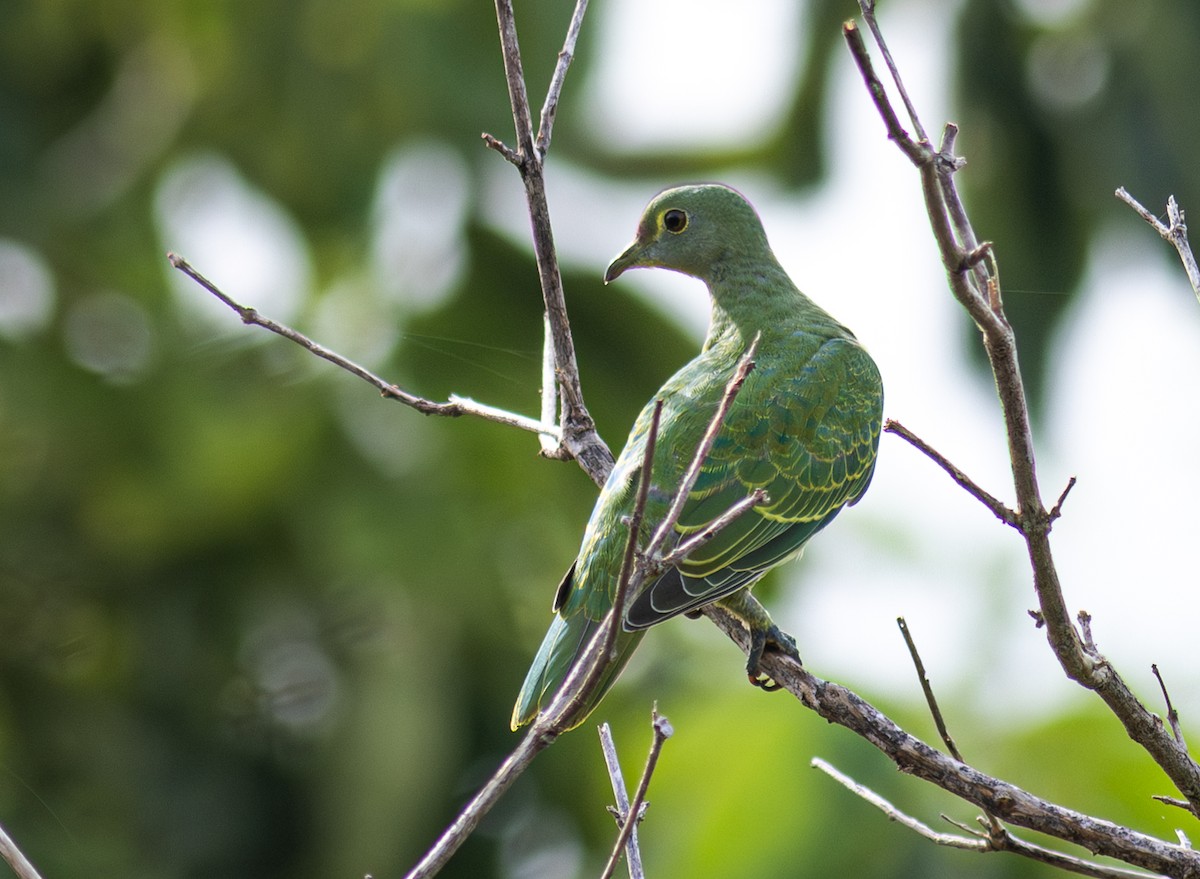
point(255, 621)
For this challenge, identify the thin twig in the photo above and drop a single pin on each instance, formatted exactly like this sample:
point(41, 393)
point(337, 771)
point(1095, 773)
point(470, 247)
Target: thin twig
point(551, 443)
point(635, 528)
point(993, 824)
point(455, 407)
point(1174, 231)
point(894, 814)
point(1172, 714)
point(745, 365)
point(586, 673)
point(1174, 801)
point(1056, 510)
point(1004, 842)
point(868, 10)
point(662, 731)
point(927, 688)
point(534, 742)
point(875, 88)
point(999, 509)
point(16, 858)
point(550, 107)
point(686, 547)
point(633, 855)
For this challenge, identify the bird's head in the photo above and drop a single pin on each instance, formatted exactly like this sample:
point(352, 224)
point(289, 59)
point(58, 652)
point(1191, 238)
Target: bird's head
point(692, 229)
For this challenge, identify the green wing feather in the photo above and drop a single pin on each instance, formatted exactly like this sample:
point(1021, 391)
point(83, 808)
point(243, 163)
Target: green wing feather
point(811, 445)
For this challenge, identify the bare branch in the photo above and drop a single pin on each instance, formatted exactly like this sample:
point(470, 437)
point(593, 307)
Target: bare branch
point(1000, 510)
point(579, 437)
point(1172, 714)
point(978, 844)
point(686, 547)
point(1001, 842)
point(976, 287)
point(633, 855)
point(1056, 510)
point(1174, 231)
point(1008, 802)
point(455, 407)
point(868, 8)
point(551, 443)
point(468, 819)
point(662, 731)
point(15, 858)
point(630, 561)
point(550, 107)
point(927, 688)
point(917, 153)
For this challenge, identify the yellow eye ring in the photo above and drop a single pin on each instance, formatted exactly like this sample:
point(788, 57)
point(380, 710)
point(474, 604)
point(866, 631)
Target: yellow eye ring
point(675, 221)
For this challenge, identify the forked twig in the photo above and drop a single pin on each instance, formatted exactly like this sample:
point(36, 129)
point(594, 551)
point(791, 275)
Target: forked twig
point(1174, 231)
point(579, 437)
point(977, 842)
point(633, 854)
point(662, 731)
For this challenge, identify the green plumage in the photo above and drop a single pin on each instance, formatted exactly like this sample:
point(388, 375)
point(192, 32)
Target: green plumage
point(804, 427)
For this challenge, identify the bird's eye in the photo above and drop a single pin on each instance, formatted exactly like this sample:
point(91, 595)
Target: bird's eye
point(675, 220)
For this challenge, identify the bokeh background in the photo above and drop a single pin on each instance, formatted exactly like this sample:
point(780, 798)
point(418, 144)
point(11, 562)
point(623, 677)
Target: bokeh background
point(257, 622)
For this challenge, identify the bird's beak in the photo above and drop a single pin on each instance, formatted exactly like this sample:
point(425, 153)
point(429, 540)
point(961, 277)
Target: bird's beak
point(629, 258)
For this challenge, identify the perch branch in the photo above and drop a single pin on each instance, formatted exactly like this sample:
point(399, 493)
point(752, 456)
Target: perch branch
point(970, 272)
point(588, 670)
point(1006, 801)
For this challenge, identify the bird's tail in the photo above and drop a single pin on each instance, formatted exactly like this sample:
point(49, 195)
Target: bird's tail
point(563, 645)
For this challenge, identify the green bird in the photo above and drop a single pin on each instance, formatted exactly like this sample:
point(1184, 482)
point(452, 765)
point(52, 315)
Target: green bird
point(804, 427)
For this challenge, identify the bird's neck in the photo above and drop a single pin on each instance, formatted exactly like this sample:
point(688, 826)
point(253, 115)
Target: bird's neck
point(756, 296)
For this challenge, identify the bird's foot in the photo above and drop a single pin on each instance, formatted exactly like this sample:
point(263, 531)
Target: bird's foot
point(761, 639)
point(764, 635)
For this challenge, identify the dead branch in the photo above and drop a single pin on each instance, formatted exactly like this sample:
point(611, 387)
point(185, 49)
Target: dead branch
point(662, 731)
point(14, 857)
point(1174, 232)
point(633, 854)
point(978, 842)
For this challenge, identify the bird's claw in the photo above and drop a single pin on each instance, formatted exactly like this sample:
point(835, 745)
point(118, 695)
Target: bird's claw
point(760, 639)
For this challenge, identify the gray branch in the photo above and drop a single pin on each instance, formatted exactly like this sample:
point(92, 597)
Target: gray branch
point(973, 277)
point(1174, 231)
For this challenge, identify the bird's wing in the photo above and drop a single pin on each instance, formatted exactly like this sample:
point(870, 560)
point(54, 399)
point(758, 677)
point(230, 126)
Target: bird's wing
point(809, 440)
